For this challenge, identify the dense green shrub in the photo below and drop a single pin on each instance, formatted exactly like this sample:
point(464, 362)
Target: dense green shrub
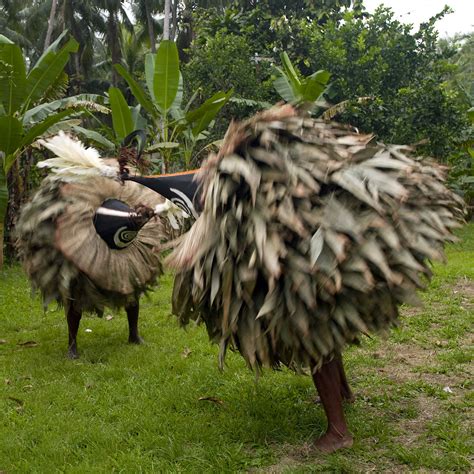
point(405, 78)
point(226, 61)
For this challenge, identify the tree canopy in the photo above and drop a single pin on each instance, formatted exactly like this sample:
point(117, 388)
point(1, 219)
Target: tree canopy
point(404, 85)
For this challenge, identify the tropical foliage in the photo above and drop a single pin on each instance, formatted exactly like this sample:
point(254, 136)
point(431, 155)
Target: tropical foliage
point(175, 130)
point(29, 103)
point(405, 86)
point(296, 89)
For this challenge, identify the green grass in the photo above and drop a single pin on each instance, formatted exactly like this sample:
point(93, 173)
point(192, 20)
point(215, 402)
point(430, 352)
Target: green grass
point(123, 408)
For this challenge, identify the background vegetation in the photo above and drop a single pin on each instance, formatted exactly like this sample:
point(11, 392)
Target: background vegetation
point(404, 85)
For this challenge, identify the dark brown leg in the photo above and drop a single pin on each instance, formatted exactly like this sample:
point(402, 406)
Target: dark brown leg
point(132, 315)
point(73, 319)
point(328, 383)
point(346, 391)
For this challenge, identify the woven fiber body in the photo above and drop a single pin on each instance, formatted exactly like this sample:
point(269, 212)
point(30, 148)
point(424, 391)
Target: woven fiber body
point(65, 258)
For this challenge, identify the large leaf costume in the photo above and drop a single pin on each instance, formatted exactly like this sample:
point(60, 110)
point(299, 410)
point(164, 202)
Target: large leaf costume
point(310, 236)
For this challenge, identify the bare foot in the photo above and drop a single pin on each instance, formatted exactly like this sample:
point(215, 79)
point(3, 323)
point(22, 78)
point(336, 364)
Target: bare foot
point(331, 442)
point(72, 354)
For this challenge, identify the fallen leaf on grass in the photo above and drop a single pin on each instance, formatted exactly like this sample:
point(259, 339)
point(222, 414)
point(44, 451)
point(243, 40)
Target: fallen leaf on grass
point(186, 352)
point(447, 390)
point(28, 344)
point(211, 399)
point(3, 341)
point(109, 317)
point(19, 402)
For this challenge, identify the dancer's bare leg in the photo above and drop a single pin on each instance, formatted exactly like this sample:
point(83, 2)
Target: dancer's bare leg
point(346, 392)
point(132, 315)
point(328, 383)
point(73, 319)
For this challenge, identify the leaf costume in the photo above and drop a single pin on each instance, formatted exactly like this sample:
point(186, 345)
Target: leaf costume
point(60, 244)
point(310, 236)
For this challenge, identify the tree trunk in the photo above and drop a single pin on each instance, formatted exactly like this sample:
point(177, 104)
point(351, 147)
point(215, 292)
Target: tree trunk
point(174, 18)
point(3, 209)
point(166, 36)
point(52, 15)
point(114, 44)
point(62, 17)
point(15, 199)
point(166, 24)
point(151, 30)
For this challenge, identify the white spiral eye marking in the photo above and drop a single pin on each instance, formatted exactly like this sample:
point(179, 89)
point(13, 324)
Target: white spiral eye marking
point(184, 202)
point(124, 237)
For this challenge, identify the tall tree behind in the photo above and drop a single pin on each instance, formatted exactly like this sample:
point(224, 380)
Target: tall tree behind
point(115, 15)
point(83, 20)
point(49, 32)
point(144, 11)
point(166, 24)
point(23, 22)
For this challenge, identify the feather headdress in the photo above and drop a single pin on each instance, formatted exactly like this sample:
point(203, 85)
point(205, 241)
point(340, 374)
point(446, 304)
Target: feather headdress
point(74, 161)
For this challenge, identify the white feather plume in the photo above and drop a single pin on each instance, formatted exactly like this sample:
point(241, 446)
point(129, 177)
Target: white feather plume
point(73, 161)
point(172, 212)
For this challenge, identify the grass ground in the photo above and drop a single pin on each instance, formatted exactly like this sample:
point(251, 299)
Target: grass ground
point(164, 406)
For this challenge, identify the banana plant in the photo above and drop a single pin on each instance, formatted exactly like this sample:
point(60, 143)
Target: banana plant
point(176, 130)
point(29, 104)
point(296, 89)
point(127, 129)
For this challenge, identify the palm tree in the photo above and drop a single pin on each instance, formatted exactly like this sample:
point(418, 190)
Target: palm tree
point(49, 32)
point(166, 24)
point(144, 11)
point(134, 48)
point(115, 15)
point(23, 22)
point(83, 20)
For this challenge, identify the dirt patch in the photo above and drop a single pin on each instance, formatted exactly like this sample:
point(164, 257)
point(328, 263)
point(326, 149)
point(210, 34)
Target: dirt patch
point(410, 311)
point(465, 288)
point(409, 363)
point(302, 457)
point(427, 408)
point(292, 458)
point(408, 356)
point(284, 464)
